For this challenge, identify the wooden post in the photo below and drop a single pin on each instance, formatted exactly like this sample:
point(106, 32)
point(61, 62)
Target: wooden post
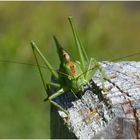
point(97, 114)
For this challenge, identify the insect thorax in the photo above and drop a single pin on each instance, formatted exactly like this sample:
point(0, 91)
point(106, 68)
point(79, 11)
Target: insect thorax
point(71, 76)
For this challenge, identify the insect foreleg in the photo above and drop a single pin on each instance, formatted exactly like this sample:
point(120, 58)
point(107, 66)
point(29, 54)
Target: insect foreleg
point(92, 69)
point(91, 62)
point(103, 76)
point(102, 73)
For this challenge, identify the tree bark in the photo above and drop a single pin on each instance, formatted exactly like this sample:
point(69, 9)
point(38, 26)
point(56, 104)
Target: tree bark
point(114, 113)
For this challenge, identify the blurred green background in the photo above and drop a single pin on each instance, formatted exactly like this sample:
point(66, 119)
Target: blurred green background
point(108, 30)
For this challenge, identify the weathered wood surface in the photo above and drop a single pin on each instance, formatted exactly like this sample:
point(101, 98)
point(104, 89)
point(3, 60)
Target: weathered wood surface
point(113, 115)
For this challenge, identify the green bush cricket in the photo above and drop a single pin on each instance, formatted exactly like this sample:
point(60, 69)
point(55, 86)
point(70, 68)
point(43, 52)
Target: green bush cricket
point(72, 75)
point(72, 79)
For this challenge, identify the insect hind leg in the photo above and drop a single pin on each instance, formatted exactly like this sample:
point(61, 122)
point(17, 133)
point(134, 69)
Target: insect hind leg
point(54, 95)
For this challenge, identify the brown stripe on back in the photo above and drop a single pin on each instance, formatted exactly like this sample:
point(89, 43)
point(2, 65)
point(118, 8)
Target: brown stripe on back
point(72, 68)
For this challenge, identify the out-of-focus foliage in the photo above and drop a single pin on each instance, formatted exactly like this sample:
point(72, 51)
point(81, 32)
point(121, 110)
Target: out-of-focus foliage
point(108, 30)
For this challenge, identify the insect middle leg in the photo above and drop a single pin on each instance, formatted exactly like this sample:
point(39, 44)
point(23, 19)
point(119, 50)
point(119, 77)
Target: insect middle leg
point(47, 87)
point(54, 95)
point(102, 74)
point(93, 68)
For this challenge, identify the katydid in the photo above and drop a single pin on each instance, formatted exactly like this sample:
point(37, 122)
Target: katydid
point(71, 75)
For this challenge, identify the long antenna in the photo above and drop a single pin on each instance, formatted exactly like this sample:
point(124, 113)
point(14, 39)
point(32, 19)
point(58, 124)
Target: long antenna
point(20, 63)
point(130, 55)
point(34, 65)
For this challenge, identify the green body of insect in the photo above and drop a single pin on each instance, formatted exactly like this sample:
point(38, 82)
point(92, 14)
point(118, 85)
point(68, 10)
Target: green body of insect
point(70, 72)
point(72, 75)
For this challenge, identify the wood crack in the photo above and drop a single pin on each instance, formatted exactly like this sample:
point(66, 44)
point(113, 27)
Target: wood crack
point(126, 93)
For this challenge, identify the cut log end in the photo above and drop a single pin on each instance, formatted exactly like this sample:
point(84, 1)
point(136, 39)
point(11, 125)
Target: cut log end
point(96, 115)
